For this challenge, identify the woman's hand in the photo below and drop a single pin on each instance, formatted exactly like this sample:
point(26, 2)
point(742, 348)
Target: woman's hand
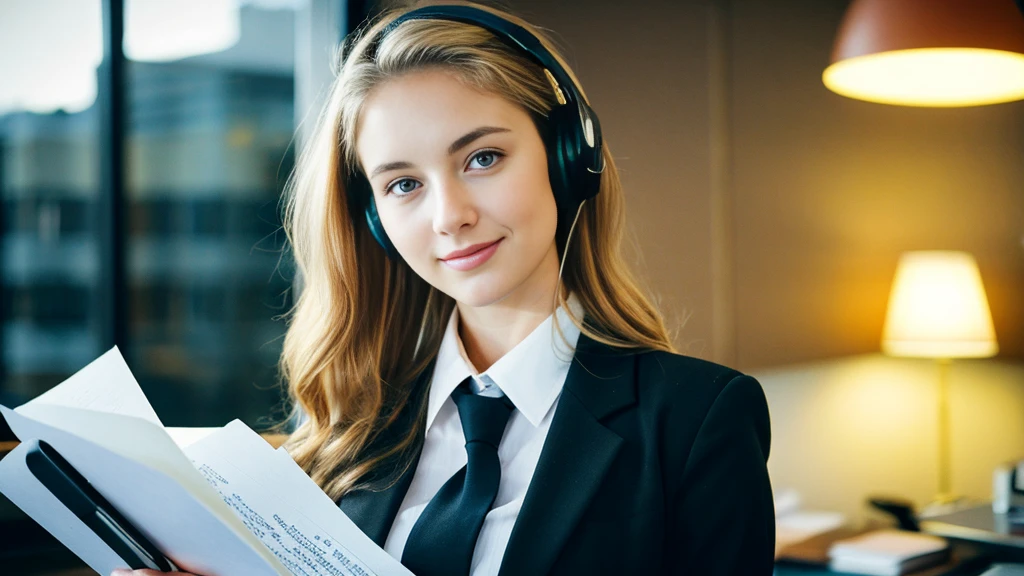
point(122, 572)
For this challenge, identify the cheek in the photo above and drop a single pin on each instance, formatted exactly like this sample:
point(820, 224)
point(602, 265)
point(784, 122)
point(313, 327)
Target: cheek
point(414, 241)
point(404, 229)
point(532, 207)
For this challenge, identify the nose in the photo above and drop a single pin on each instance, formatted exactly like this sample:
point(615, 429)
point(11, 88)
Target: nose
point(454, 209)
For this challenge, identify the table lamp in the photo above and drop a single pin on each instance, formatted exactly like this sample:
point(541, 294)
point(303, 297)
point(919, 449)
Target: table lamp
point(937, 309)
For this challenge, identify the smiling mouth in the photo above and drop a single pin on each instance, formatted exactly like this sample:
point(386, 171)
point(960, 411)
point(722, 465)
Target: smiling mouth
point(469, 260)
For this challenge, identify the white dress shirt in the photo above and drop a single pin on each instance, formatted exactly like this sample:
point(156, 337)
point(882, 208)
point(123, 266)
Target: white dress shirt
point(531, 375)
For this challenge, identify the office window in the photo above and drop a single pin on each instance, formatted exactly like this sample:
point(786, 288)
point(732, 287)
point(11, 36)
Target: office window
point(139, 202)
point(173, 248)
point(209, 126)
point(49, 188)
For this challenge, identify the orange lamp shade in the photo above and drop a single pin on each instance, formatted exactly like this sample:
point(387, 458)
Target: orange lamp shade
point(929, 52)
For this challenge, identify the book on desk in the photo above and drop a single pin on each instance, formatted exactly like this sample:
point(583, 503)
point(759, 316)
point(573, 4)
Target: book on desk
point(887, 553)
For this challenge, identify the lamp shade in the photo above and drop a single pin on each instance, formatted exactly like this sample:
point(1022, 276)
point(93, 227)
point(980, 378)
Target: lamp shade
point(929, 52)
point(938, 309)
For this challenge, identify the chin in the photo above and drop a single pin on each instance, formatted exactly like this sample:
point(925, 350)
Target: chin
point(479, 291)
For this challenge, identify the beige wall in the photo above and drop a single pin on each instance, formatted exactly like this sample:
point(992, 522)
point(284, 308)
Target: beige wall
point(851, 427)
point(645, 73)
point(822, 193)
point(829, 190)
point(773, 211)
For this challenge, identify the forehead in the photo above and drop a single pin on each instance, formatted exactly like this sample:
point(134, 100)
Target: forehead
point(425, 110)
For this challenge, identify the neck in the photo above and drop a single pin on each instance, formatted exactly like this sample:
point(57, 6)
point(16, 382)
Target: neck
point(489, 332)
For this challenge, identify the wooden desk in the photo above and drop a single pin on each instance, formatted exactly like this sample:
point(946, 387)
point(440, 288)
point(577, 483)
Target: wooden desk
point(965, 560)
point(810, 557)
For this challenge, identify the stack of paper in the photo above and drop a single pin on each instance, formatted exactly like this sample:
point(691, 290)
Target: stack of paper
point(887, 553)
point(226, 504)
point(793, 525)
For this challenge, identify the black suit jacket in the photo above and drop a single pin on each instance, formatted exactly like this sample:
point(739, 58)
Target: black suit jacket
point(655, 463)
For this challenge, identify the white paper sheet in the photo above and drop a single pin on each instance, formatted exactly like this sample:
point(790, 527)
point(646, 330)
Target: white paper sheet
point(233, 505)
point(104, 385)
point(185, 437)
point(799, 526)
point(289, 513)
point(102, 424)
point(136, 466)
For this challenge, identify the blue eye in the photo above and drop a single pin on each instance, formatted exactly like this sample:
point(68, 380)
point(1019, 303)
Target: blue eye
point(401, 187)
point(487, 158)
point(484, 160)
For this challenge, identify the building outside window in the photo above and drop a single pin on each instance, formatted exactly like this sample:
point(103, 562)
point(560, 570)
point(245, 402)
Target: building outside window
point(179, 256)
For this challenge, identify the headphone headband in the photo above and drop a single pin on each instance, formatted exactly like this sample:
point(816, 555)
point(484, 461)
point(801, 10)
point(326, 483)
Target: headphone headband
point(508, 32)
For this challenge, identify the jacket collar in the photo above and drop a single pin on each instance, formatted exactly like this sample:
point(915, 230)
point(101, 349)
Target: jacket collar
point(576, 457)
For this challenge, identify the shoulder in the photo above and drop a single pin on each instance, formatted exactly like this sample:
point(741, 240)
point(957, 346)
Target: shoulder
point(697, 407)
point(668, 368)
point(669, 394)
point(673, 376)
point(685, 389)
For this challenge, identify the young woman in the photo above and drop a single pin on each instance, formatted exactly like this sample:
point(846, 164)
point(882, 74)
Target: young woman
point(484, 388)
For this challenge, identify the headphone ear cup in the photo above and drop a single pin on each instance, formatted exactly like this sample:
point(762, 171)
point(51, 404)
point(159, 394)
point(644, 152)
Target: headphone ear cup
point(377, 229)
point(575, 160)
point(593, 154)
point(560, 158)
point(361, 199)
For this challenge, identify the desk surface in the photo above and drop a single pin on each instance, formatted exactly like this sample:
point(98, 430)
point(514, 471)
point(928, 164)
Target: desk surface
point(955, 567)
point(978, 524)
point(976, 540)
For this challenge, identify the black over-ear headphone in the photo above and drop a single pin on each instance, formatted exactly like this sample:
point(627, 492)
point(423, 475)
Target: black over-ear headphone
point(573, 139)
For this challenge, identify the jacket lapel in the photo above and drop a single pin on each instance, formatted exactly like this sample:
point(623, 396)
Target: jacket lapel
point(576, 456)
point(375, 511)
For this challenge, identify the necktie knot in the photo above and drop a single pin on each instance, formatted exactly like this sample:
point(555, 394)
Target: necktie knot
point(483, 418)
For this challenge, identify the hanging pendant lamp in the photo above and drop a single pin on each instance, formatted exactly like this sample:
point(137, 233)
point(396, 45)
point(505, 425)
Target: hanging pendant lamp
point(929, 52)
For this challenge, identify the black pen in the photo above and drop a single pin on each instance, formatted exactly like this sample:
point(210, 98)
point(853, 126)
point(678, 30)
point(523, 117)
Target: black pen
point(75, 492)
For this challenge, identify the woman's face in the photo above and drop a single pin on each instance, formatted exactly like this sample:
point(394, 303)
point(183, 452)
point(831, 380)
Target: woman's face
point(461, 184)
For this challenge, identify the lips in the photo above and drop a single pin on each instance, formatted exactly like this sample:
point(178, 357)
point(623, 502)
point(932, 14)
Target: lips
point(468, 251)
point(471, 257)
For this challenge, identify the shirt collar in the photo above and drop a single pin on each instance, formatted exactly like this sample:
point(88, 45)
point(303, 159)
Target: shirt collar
point(531, 374)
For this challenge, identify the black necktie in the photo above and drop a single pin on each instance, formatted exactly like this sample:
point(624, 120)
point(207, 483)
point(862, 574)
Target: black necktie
point(442, 540)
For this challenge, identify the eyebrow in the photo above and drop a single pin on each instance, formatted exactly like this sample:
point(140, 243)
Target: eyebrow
point(460, 143)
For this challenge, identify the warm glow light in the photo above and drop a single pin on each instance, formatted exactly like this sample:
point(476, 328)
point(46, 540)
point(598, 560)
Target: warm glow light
point(938, 309)
point(930, 77)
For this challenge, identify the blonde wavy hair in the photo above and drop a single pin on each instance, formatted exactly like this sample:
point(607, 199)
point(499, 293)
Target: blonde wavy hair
point(366, 326)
